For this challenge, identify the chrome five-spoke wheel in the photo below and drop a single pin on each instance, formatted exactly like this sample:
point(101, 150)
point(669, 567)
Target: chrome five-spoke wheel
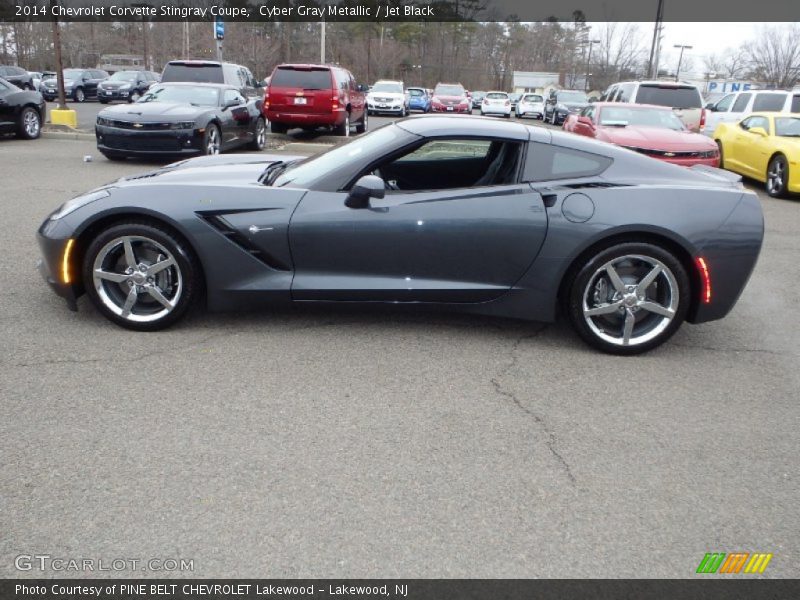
point(629, 298)
point(140, 275)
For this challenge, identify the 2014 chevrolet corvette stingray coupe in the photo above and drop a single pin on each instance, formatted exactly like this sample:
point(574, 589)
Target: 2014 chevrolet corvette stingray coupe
point(461, 212)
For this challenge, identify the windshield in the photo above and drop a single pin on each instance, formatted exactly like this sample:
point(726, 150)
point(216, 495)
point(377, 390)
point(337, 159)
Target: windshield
point(674, 97)
point(572, 97)
point(301, 174)
point(388, 87)
point(123, 76)
point(72, 73)
point(651, 117)
point(183, 94)
point(532, 98)
point(787, 126)
point(449, 90)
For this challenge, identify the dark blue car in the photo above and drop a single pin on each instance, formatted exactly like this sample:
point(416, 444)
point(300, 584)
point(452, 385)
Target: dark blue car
point(418, 99)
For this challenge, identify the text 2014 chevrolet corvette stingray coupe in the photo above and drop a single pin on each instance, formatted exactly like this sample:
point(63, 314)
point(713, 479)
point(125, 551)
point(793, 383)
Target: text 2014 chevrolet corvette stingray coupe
point(463, 212)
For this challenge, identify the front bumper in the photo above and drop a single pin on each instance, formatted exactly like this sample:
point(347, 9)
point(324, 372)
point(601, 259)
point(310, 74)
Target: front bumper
point(452, 109)
point(113, 94)
point(131, 142)
point(52, 264)
point(385, 108)
point(419, 106)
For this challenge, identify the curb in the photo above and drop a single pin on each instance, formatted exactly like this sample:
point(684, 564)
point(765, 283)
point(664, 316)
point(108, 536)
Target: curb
point(68, 135)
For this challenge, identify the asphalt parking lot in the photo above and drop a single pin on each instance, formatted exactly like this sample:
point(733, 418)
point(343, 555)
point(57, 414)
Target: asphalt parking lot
point(333, 443)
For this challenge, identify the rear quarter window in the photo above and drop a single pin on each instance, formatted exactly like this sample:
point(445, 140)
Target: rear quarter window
point(769, 102)
point(306, 79)
point(795, 108)
point(673, 97)
point(546, 162)
point(194, 73)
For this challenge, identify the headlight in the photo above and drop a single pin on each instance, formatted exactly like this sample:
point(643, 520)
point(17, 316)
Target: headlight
point(102, 121)
point(74, 204)
point(183, 125)
point(709, 154)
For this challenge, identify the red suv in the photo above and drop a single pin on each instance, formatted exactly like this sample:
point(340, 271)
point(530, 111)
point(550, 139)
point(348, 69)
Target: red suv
point(309, 96)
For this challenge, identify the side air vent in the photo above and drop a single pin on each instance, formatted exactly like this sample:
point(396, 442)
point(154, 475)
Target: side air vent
point(219, 223)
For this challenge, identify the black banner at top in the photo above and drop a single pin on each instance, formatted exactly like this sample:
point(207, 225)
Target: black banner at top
point(400, 10)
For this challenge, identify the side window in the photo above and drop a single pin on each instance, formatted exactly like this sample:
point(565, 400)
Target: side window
point(725, 104)
point(232, 96)
point(741, 103)
point(795, 108)
point(756, 121)
point(626, 92)
point(443, 164)
point(546, 162)
point(769, 102)
point(606, 96)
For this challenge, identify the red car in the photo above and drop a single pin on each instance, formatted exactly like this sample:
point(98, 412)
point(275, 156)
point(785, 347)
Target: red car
point(310, 96)
point(652, 130)
point(451, 97)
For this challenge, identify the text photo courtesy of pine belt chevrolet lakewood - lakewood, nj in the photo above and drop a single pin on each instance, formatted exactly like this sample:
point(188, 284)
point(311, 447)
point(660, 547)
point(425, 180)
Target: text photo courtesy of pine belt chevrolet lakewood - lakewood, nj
point(399, 299)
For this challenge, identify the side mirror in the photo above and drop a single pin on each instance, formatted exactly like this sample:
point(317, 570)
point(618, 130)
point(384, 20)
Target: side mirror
point(712, 106)
point(758, 131)
point(586, 121)
point(368, 186)
point(231, 104)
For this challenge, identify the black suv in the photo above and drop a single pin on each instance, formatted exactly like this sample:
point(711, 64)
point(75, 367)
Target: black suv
point(18, 76)
point(209, 71)
point(563, 102)
point(127, 86)
point(79, 84)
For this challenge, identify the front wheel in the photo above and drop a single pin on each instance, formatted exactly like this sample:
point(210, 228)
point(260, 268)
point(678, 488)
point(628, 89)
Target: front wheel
point(141, 276)
point(30, 124)
point(79, 95)
point(629, 298)
point(134, 97)
point(778, 177)
point(211, 141)
point(259, 136)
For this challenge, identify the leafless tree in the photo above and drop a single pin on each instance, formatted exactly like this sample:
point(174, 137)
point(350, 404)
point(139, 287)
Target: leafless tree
point(775, 55)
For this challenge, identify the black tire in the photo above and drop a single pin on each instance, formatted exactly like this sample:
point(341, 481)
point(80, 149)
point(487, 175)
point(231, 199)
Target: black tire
point(212, 140)
point(30, 124)
point(101, 101)
point(591, 287)
point(78, 95)
point(778, 177)
point(113, 156)
point(343, 128)
point(182, 281)
point(363, 125)
point(278, 127)
point(260, 133)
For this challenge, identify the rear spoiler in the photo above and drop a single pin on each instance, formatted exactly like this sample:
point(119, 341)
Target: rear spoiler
point(719, 175)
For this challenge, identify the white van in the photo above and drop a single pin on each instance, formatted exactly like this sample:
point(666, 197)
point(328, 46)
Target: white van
point(734, 106)
point(682, 97)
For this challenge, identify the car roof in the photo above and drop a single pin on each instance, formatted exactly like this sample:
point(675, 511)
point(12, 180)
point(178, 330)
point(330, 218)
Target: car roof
point(305, 66)
point(197, 84)
point(497, 92)
point(460, 125)
point(631, 105)
point(772, 113)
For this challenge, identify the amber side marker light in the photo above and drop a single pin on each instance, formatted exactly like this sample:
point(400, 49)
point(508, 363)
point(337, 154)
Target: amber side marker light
point(706, 278)
point(66, 276)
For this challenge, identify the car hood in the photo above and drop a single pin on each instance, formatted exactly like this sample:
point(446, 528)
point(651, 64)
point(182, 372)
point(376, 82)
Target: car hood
point(573, 106)
point(450, 98)
point(210, 170)
point(153, 111)
point(655, 138)
point(54, 82)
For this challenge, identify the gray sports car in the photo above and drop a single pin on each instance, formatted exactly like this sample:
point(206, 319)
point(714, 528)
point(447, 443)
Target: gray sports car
point(450, 211)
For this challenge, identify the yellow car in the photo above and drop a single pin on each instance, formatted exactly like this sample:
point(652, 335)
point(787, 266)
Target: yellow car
point(764, 146)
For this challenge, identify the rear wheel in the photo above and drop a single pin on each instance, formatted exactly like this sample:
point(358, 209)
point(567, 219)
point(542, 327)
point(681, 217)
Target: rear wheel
point(259, 135)
point(364, 124)
point(629, 298)
point(777, 176)
point(141, 276)
point(344, 127)
point(30, 124)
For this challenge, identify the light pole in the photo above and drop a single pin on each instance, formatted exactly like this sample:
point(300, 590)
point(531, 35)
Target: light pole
point(588, 62)
point(144, 33)
point(680, 59)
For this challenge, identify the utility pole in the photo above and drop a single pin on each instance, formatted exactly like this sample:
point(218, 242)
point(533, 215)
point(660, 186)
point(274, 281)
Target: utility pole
point(652, 64)
point(680, 59)
point(588, 63)
point(62, 97)
point(322, 42)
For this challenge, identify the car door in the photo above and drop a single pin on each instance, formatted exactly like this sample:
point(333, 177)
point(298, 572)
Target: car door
point(7, 110)
point(750, 150)
point(466, 241)
point(236, 119)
